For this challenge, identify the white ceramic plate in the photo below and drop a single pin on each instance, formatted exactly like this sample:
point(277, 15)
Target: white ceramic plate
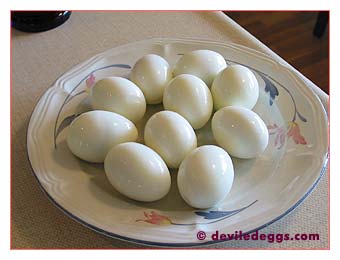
point(264, 190)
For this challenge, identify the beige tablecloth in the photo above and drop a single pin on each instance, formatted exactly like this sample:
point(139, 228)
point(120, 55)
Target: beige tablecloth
point(38, 59)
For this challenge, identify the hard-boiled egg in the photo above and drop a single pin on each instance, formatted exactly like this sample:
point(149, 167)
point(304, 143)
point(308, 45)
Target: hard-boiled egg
point(171, 136)
point(92, 134)
point(205, 177)
point(240, 131)
point(189, 96)
point(119, 95)
point(204, 64)
point(137, 172)
point(151, 73)
point(235, 86)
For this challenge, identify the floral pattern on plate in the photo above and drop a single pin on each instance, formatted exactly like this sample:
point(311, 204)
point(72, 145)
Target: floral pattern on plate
point(280, 133)
point(216, 215)
point(62, 176)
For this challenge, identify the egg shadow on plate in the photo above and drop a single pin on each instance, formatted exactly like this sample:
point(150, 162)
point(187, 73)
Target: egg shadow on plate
point(63, 157)
point(245, 179)
point(62, 154)
point(101, 188)
point(140, 125)
point(242, 167)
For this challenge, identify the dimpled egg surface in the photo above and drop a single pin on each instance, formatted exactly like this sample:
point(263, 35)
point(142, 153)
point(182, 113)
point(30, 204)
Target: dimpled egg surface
point(189, 96)
point(235, 86)
point(205, 64)
point(119, 95)
point(240, 131)
point(171, 136)
point(92, 134)
point(205, 177)
point(151, 73)
point(137, 172)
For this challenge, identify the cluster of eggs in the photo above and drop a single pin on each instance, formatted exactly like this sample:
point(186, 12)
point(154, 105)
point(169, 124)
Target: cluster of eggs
point(200, 83)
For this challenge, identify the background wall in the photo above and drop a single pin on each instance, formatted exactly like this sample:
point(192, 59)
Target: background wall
point(290, 35)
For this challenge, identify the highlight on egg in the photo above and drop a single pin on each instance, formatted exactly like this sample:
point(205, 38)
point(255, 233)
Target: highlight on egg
point(236, 85)
point(151, 73)
point(92, 134)
point(189, 96)
point(137, 172)
point(119, 95)
point(240, 131)
point(205, 64)
point(202, 81)
point(205, 176)
point(171, 136)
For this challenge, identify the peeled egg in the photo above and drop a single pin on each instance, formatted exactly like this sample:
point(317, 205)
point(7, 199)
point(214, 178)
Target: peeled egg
point(240, 131)
point(190, 97)
point(137, 172)
point(171, 136)
point(204, 64)
point(92, 134)
point(235, 86)
point(151, 73)
point(119, 95)
point(205, 177)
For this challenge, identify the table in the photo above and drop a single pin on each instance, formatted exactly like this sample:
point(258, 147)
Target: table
point(39, 59)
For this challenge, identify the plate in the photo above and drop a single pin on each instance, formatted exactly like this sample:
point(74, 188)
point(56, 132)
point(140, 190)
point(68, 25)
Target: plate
point(265, 189)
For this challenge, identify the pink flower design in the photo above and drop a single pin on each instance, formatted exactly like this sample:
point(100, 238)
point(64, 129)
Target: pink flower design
point(282, 134)
point(155, 219)
point(90, 81)
point(279, 133)
point(294, 131)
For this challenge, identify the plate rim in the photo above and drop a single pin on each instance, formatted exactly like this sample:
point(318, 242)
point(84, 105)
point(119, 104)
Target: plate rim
point(161, 244)
point(166, 244)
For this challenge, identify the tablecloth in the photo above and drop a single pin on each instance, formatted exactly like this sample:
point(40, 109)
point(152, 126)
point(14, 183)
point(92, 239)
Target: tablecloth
point(38, 59)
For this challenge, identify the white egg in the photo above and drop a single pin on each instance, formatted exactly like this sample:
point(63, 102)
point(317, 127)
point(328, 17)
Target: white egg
point(171, 136)
point(240, 131)
point(137, 172)
point(205, 177)
point(151, 73)
point(235, 86)
point(92, 134)
point(119, 95)
point(190, 97)
point(204, 64)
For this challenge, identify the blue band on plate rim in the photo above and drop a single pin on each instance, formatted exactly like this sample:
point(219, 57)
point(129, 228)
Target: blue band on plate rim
point(150, 243)
point(160, 244)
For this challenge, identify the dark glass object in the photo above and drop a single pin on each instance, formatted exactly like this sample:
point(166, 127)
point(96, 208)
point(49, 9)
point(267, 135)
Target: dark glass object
point(321, 23)
point(38, 21)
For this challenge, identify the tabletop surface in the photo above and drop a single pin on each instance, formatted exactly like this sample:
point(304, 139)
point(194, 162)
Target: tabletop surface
point(39, 59)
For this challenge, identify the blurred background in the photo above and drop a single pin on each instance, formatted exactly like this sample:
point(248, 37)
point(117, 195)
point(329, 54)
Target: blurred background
point(300, 38)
